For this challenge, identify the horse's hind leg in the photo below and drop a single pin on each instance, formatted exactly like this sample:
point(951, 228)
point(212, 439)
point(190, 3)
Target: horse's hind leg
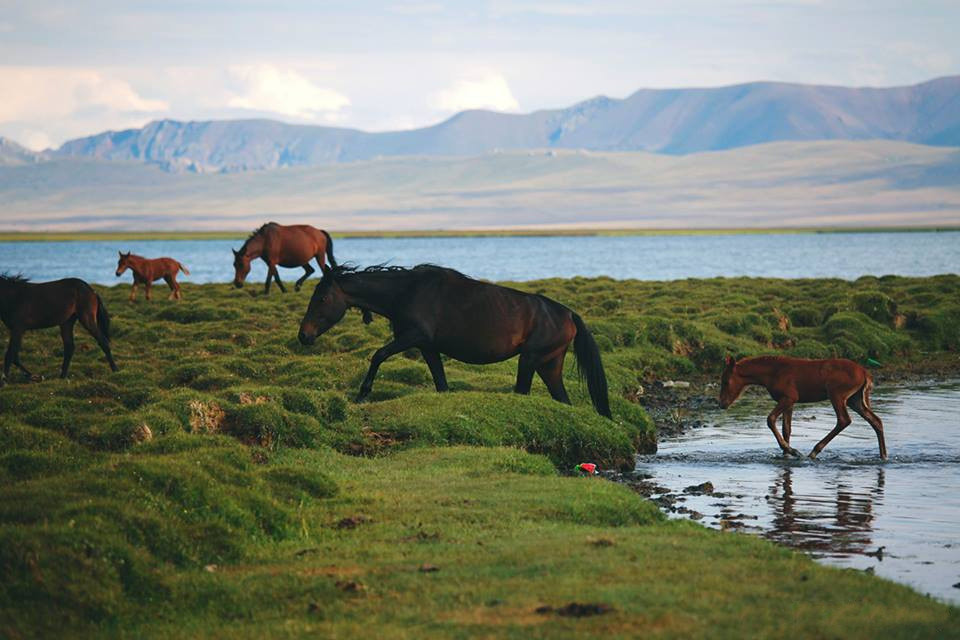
point(89, 321)
point(860, 402)
point(308, 271)
point(436, 368)
point(13, 355)
point(66, 333)
point(174, 287)
point(843, 421)
point(784, 405)
point(551, 372)
point(787, 424)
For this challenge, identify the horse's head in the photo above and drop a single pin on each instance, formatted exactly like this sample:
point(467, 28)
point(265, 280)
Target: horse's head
point(241, 265)
point(731, 384)
point(327, 307)
point(124, 263)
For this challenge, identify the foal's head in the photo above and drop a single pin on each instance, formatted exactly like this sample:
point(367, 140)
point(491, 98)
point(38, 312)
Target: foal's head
point(731, 383)
point(327, 307)
point(124, 263)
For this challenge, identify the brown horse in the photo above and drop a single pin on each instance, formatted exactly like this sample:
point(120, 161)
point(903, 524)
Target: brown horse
point(792, 380)
point(441, 311)
point(25, 305)
point(285, 246)
point(146, 271)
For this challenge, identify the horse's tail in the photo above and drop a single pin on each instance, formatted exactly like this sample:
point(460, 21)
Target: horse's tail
point(103, 318)
point(330, 259)
point(183, 268)
point(590, 367)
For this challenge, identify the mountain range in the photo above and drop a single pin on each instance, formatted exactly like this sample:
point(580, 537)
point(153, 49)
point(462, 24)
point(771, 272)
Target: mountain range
point(668, 121)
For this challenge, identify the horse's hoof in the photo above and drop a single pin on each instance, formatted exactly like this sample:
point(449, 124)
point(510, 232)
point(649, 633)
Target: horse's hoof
point(812, 455)
point(35, 378)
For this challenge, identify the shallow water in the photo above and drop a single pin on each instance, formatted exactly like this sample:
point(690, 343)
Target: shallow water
point(836, 255)
point(899, 519)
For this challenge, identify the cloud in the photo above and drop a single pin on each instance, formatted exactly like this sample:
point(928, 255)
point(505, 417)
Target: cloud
point(36, 100)
point(286, 92)
point(484, 90)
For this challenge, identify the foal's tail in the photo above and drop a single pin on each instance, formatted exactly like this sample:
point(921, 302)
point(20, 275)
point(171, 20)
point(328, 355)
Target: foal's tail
point(590, 367)
point(330, 259)
point(183, 268)
point(103, 318)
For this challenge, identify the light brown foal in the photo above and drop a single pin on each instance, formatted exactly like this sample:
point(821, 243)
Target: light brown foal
point(792, 380)
point(146, 271)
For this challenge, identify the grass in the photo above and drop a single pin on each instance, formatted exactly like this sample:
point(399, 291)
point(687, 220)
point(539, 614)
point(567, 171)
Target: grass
point(87, 236)
point(222, 484)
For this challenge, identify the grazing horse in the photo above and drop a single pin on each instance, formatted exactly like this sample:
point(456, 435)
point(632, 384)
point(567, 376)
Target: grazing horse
point(441, 311)
point(25, 305)
point(792, 380)
point(146, 271)
point(285, 246)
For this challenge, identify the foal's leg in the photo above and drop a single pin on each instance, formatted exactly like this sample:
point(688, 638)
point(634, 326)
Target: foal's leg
point(860, 402)
point(133, 291)
point(782, 406)
point(398, 344)
point(174, 287)
point(843, 421)
point(66, 333)
point(787, 424)
point(525, 370)
point(308, 271)
point(436, 368)
point(551, 372)
point(147, 286)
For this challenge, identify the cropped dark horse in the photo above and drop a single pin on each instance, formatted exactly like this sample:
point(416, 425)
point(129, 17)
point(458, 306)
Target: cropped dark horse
point(146, 271)
point(441, 311)
point(793, 380)
point(283, 246)
point(25, 305)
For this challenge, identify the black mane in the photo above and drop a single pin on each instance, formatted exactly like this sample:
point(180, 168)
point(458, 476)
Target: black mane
point(257, 232)
point(346, 269)
point(6, 278)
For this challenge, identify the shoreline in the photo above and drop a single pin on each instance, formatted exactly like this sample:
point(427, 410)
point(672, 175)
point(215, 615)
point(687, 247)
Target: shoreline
point(93, 236)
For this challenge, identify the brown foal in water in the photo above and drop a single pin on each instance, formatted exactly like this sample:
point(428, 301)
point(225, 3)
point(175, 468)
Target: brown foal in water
point(791, 380)
point(25, 305)
point(146, 271)
point(285, 246)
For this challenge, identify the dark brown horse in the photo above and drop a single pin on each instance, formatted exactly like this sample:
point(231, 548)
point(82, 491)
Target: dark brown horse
point(441, 311)
point(146, 271)
point(25, 305)
point(284, 246)
point(792, 380)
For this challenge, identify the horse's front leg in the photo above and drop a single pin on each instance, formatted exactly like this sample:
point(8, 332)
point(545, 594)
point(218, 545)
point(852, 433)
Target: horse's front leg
point(783, 405)
point(307, 272)
point(398, 344)
point(433, 360)
point(133, 291)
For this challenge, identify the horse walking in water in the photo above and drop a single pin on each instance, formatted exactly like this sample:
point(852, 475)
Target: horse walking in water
point(25, 305)
point(285, 246)
point(441, 311)
point(792, 380)
point(146, 271)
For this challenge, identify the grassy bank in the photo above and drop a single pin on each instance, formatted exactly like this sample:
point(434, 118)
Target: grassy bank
point(87, 236)
point(213, 486)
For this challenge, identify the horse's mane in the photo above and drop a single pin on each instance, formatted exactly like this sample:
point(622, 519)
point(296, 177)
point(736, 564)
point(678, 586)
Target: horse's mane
point(8, 279)
point(257, 232)
point(347, 269)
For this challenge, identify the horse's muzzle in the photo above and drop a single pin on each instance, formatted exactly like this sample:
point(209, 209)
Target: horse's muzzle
point(238, 284)
point(305, 339)
point(119, 273)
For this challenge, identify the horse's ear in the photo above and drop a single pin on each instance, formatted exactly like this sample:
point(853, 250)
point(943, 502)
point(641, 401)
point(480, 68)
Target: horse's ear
point(121, 253)
point(730, 361)
point(325, 268)
point(235, 252)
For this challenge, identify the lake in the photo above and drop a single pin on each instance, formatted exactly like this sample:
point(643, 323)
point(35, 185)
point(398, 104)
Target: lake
point(813, 255)
point(899, 519)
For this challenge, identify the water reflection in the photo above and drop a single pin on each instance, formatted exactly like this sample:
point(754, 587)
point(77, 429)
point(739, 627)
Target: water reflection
point(838, 522)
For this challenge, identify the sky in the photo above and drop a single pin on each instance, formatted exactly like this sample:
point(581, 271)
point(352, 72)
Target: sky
point(70, 69)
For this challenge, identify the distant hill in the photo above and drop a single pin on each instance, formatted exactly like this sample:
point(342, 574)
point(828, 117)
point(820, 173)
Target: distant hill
point(670, 121)
point(12, 154)
point(832, 183)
